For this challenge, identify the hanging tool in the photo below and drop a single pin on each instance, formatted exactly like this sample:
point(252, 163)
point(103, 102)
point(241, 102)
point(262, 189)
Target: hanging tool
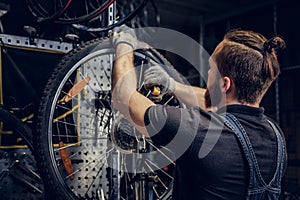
point(66, 160)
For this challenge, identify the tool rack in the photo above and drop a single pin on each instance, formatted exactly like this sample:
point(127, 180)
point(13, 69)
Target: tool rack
point(19, 177)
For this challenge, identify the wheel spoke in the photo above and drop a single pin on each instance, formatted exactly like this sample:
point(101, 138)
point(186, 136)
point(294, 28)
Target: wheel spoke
point(97, 139)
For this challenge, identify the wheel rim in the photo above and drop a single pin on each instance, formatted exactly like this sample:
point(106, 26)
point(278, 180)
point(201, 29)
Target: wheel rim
point(84, 124)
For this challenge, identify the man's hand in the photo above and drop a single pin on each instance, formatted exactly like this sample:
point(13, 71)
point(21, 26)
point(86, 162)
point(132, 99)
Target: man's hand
point(125, 98)
point(157, 76)
point(124, 34)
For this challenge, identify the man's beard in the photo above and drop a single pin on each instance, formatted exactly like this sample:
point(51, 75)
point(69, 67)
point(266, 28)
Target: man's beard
point(213, 96)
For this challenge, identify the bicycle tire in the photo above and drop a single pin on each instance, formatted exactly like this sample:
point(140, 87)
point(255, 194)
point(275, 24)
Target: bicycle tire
point(85, 148)
point(122, 20)
point(57, 10)
point(73, 12)
point(17, 126)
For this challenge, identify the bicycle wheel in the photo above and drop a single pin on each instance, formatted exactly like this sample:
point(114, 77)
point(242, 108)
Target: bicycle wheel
point(14, 124)
point(75, 151)
point(19, 178)
point(85, 15)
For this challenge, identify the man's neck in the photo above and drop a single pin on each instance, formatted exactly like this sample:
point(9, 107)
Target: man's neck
point(235, 102)
point(231, 101)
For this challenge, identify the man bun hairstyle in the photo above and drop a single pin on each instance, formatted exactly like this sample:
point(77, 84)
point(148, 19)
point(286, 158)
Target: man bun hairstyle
point(270, 65)
point(274, 43)
point(250, 60)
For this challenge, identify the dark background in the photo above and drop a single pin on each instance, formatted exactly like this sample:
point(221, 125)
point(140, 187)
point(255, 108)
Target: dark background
point(206, 21)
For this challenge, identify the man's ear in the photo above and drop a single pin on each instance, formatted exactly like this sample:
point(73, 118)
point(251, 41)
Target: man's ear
point(227, 84)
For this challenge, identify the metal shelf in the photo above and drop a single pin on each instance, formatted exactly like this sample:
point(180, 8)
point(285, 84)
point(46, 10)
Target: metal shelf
point(35, 43)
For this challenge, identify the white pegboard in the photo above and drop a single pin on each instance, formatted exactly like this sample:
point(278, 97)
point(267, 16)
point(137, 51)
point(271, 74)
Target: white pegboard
point(35, 43)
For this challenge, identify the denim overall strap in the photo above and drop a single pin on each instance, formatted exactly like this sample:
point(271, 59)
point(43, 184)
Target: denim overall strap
point(280, 156)
point(258, 189)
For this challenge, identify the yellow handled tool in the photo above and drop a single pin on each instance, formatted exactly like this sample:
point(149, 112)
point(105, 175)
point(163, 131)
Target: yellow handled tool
point(156, 91)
